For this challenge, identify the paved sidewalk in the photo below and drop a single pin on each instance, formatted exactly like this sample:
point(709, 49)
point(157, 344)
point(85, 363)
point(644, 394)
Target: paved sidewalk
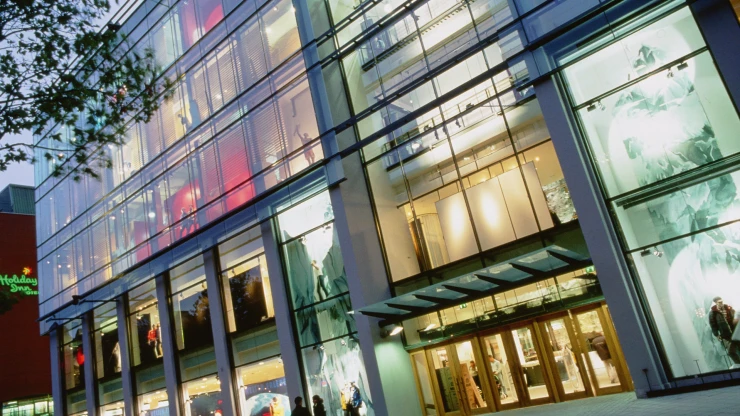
point(716, 402)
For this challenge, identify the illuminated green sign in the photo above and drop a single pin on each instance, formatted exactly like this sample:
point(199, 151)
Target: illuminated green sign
point(23, 284)
point(590, 269)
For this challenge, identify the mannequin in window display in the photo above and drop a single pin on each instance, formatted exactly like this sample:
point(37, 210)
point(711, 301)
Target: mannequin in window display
point(344, 399)
point(723, 323)
point(276, 408)
point(660, 128)
point(355, 401)
point(116, 358)
point(80, 364)
point(158, 343)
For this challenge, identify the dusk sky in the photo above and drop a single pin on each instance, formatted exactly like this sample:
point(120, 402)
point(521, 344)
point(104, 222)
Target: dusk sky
point(18, 173)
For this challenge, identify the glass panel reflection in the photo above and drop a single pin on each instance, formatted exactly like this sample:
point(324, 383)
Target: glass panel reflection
point(565, 360)
point(529, 359)
point(502, 376)
point(445, 379)
point(597, 349)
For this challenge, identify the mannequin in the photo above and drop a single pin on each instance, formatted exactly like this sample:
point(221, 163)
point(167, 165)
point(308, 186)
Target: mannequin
point(723, 324)
point(116, 356)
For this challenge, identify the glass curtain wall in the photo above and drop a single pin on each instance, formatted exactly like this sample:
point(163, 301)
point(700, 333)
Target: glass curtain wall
point(201, 390)
point(662, 133)
point(479, 181)
point(250, 320)
point(319, 297)
point(73, 359)
point(241, 122)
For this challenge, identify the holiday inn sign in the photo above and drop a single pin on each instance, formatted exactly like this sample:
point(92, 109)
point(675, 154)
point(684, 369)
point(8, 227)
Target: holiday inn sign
point(23, 284)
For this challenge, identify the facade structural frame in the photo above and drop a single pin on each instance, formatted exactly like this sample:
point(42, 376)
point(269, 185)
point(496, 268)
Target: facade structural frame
point(642, 356)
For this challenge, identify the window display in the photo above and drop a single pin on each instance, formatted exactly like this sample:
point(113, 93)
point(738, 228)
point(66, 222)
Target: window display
point(73, 356)
point(202, 396)
point(674, 120)
point(150, 385)
point(107, 348)
point(317, 279)
point(262, 388)
point(144, 326)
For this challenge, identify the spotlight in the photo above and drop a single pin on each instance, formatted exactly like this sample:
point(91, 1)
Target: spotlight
point(657, 253)
point(394, 330)
point(646, 252)
point(682, 66)
point(591, 108)
point(670, 73)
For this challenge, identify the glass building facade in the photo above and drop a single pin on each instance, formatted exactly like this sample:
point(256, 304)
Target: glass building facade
point(378, 202)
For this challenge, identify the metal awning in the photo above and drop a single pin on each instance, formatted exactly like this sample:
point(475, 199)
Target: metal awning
point(523, 270)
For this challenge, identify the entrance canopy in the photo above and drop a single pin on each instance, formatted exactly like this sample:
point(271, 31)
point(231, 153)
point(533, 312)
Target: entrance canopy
point(523, 270)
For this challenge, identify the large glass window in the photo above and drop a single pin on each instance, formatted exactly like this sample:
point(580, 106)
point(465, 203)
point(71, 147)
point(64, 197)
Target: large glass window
point(487, 178)
point(665, 124)
point(201, 390)
point(152, 397)
point(105, 336)
point(144, 325)
point(657, 135)
point(320, 301)
point(73, 356)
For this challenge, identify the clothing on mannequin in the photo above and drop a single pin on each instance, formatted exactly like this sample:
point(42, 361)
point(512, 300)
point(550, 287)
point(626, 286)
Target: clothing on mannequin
point(723, 324)
point(116, 356)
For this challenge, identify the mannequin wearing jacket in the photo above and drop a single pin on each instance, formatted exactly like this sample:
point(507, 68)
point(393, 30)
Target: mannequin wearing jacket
point(722, 322)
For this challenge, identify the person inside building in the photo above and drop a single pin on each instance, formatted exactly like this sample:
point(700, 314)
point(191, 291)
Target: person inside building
point(602, 349)
point(723, 323)
point(496, 368)
point(299, 410)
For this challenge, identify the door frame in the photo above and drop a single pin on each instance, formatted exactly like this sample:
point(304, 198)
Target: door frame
point(617, 356)
point(545, 354)
point(577, 350)
point(514, 368)
point(454, 365)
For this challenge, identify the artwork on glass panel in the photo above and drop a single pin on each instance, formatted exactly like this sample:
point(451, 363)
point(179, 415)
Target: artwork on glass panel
point(266, 398)
point(335, 371)
point(660, 129)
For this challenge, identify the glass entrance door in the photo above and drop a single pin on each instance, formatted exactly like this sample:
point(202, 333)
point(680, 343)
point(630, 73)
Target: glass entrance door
point(504, 380)
point(600, 351)
point(568, 371)
point(460, 382)
point(529, 357)
point(445, 380)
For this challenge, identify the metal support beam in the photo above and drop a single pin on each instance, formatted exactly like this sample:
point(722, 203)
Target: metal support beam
point(488, 277)
point(91, 398)
point(169, 357)
point(283, 314)
point(123, 348)
point(463, 290)
point(409, 308)
point(220, 337)
point(528, 270)
point(57, 377)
